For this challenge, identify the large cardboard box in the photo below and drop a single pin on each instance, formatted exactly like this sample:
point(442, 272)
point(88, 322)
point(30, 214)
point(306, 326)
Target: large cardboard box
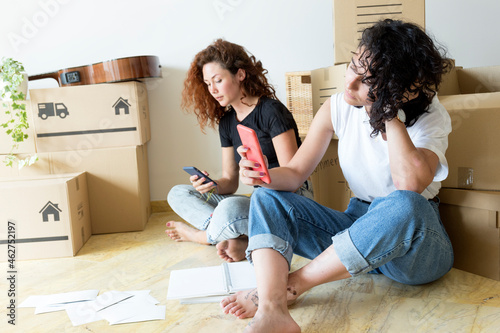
point(471, 219)
point(47, 216)
point(118, 183)
point(91, 116)
point(6, 142)
point(329, 185)
point(473, 152)
point(351, 17)
point(306, 91)
point(326, 82)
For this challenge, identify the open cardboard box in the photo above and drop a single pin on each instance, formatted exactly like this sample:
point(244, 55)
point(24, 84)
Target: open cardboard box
point(471, 219)
point(474, 106)
point(46, 216)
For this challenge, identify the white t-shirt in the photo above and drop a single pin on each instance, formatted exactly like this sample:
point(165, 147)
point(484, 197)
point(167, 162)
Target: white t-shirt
point(365, 160)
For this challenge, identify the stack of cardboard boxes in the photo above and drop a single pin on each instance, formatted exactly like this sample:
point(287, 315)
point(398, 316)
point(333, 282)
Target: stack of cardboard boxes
point(92, 173)
point(470, 197)
point(308, 90)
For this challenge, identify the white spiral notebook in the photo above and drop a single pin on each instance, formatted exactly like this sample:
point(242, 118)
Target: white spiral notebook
point(210, 284)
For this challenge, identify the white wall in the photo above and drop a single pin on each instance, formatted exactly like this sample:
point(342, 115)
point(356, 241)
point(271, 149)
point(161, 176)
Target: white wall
point(286, 35)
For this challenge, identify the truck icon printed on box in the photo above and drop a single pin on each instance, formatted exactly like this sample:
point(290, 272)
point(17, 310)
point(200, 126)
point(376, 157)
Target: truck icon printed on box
point(46, 110)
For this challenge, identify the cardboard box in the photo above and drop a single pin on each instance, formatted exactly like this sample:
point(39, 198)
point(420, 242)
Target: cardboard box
point(91, 116)
point(329, 185)
point(47, 216)
point(351, 17)
point(306, 91)
point(473, 153)
point(471, 219)
point(326, 82)
point(474, 80)
point(6, 142)
point(118, 183)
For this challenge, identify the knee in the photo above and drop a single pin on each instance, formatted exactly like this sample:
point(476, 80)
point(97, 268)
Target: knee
point(239, 204)
point(407, 201)
point(178, 191)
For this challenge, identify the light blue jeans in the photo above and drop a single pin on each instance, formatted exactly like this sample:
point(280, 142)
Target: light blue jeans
point(222, 216)
point(400, 236)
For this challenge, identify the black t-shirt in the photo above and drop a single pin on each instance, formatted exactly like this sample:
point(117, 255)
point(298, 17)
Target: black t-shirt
point(270, 118)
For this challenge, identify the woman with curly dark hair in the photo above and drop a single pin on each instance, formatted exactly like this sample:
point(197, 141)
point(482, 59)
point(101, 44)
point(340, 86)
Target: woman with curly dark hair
point(393, 134)
point(225, 86)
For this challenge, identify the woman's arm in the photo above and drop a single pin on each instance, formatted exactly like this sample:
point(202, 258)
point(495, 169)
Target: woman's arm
point(290, 176)
point(412, 168)
point(285, 146)
point(228, 183)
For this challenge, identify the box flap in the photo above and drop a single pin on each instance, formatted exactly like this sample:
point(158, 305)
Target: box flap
point(489, 200)
point(471, 102)
point(479, 79)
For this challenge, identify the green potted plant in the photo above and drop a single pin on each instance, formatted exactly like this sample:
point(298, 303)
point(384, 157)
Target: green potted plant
point(12, 80)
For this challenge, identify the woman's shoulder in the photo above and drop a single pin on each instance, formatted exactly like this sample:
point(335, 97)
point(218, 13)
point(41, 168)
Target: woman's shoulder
point(270, 102)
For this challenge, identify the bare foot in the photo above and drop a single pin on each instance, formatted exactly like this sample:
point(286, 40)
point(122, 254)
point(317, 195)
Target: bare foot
point(244, 304)
point(233, 249)
point(272, 318)
point(181, 232)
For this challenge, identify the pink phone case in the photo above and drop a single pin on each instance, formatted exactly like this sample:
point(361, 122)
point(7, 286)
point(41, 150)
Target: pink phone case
point(254, 153)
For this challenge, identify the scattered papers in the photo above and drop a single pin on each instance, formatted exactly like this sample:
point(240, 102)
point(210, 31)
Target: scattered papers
point(117, 307)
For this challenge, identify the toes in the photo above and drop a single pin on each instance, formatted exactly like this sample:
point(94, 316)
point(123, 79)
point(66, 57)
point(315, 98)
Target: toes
point(238, 313)
point(227, 300)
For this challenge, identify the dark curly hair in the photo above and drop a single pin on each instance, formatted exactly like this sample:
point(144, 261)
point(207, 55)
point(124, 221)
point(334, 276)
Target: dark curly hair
point(196, 97)
point(399, 59)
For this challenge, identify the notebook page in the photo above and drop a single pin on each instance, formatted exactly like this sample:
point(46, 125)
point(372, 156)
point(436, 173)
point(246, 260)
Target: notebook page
point(196, 282)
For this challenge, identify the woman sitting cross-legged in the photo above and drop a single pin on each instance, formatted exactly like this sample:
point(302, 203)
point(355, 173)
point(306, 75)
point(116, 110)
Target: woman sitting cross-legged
point(393, 134)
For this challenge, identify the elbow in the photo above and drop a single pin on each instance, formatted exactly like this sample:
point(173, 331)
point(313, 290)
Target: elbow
point(413, 183)
point(410, 186)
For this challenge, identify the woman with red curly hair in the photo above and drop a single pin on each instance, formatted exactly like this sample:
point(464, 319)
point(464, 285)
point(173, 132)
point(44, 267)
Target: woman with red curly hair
point(225, 86)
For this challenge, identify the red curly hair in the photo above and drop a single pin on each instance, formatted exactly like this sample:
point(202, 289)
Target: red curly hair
point(197, 99)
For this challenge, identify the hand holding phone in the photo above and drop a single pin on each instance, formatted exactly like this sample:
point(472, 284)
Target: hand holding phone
point(254, 152)
point(193, 171)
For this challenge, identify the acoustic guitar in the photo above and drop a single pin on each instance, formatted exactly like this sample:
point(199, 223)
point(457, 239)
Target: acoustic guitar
point(117, 70)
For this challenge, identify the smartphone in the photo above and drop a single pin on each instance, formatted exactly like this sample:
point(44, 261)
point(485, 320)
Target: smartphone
point(254, 152)
point(194, 171)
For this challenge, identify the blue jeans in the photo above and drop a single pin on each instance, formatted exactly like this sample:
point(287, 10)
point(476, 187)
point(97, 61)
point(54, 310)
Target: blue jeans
point(400, 236)
point(222, 216)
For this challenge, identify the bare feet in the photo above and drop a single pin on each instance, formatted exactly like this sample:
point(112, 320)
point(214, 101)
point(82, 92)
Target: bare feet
point(244, 304)
point(233, 249)
point(181, 232)
point(272, 318)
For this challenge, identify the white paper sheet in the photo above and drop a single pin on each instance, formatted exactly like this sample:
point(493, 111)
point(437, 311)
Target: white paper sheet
point(117, 307)
point(82, 313)
point(44, 300)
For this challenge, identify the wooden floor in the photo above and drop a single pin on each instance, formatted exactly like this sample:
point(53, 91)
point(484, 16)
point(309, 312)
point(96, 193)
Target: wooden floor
point(459, 302)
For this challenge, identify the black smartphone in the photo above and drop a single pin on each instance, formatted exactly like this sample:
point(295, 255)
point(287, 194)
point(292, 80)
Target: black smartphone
point(194, 171)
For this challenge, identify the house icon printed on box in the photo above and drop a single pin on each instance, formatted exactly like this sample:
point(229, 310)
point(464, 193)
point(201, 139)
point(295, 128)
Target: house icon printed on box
point(121, 105)
point(50, 209)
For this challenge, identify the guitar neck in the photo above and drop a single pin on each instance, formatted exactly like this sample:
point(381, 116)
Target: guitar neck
point(53, 75)
point(117, 70)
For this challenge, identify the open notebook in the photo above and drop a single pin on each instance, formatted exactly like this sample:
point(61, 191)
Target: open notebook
point(210, 284)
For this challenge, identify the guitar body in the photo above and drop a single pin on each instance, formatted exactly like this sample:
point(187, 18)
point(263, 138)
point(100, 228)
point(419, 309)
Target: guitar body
point(117, 70)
